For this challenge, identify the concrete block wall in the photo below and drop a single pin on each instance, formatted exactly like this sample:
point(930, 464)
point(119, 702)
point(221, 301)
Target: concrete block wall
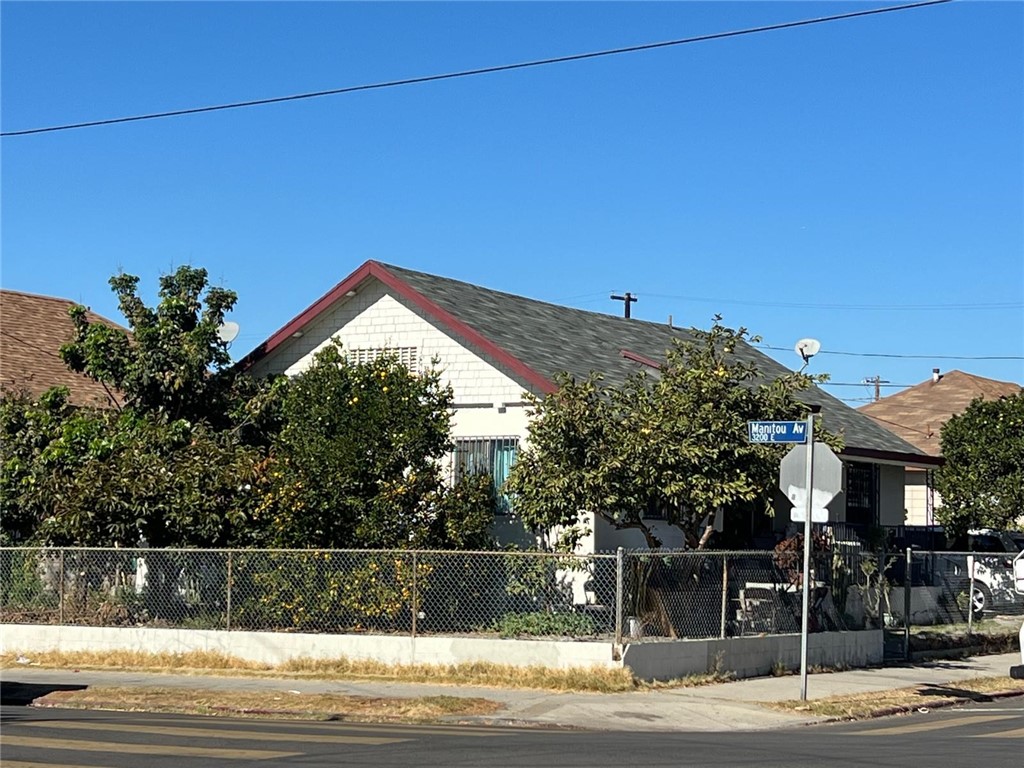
point(928, 605)
point(751, 656)
point(274, 648)
point(650, 660)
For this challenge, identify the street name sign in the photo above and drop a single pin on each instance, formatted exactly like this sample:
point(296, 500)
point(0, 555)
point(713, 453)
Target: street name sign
point(777, 431)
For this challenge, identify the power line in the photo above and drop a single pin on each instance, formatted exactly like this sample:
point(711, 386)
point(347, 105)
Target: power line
point(858, 307)
point(904, 426)
point(479, 71)
point(902, 357)
point(594, 295)
point(31, 345)
point(941, 413)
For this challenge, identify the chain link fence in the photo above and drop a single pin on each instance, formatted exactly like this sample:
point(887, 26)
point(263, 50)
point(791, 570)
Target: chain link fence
point(337, 591)
point(949, 588)
point(730, 594)
point(631, 596)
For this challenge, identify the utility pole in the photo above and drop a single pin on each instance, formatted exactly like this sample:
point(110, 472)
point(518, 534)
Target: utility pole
point(628, 299)
point(878, 381)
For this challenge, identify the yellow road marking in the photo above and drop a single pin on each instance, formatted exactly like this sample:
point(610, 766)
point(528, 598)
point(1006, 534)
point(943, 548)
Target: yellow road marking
point(143, 749)
point(336, 725)
point(213, 732)
point(1017, 733)
point(933, 725)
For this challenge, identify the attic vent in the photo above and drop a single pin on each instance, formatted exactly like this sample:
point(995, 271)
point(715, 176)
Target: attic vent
point(406, 355)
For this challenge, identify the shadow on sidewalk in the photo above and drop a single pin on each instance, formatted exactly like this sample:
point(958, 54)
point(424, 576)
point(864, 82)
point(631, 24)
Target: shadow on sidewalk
point(13, 693)
point(945, 690)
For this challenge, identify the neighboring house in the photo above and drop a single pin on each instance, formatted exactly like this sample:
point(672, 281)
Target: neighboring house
point(32, 330)
point(917, 415)
point(493, 346)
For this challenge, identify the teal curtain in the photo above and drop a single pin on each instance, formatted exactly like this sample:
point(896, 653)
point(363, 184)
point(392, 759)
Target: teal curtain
point(501, 465)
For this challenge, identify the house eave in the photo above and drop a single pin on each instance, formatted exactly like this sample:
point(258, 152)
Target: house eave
point(527, 376)
point(916, 460)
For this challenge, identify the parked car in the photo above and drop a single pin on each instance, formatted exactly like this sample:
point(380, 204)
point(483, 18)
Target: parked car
point(993, 570)
point(949, 563)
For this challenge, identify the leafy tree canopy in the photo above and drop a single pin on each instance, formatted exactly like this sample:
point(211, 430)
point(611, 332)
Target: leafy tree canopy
point(198, 453)
point(675, 442)
point(982, 479)
point(357, 461)
point(173, 465)
point(27, 427)
point(173, 364)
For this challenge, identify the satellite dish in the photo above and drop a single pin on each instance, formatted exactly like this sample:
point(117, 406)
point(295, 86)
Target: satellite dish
point(227, 332)
point(808, 348)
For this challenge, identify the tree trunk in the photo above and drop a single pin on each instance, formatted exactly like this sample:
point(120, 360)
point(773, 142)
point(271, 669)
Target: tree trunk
point(653, 542)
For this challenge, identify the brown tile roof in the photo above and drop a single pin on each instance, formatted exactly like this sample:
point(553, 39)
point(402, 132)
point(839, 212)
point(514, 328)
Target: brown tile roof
point(918, 413)
point(32, 330)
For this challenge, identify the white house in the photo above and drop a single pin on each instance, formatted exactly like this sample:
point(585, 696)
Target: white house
point(493, 346)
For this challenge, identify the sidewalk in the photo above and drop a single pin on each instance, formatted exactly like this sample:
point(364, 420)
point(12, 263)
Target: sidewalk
point(718, 707)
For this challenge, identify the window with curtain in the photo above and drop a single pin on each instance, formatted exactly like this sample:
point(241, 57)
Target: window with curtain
point(486, 455)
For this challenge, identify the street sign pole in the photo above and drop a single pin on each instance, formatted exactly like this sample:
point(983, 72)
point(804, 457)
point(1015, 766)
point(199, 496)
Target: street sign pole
point(807, 557)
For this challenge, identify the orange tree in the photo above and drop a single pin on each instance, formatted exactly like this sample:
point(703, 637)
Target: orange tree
point(675, 442)
point(358, 462)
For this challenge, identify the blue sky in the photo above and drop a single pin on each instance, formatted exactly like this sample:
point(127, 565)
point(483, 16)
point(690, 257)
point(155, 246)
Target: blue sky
point(860, 181)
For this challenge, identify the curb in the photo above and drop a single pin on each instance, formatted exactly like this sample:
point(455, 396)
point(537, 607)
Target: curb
point(906, 710)
point(965, 652)
point(328, 717)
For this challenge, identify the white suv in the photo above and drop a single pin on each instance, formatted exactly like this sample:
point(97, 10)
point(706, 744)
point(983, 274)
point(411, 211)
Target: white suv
point(992, 564)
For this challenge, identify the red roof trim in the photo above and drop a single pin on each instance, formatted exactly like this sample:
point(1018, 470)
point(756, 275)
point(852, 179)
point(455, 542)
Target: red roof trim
point(403, 289)
point(307, 315)
point(503, 358)
point(640, 359)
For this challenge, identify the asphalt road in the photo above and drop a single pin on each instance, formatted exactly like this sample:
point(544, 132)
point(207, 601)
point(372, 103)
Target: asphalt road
point(987, 735)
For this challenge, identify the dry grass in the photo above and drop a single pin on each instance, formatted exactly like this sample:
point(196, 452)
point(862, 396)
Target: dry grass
point(872, 704)
point(195, 661)
point(991, 636)
point(290, 704)
point(583, 679)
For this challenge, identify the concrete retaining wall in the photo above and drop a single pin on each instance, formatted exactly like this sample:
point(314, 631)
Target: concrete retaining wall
point(275, 648)
point(927, 605)
point(751, 656)
point(651, 659)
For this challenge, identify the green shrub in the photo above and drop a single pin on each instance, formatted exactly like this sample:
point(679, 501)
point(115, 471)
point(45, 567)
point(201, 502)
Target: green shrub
point(540, 623)
point(22, 589)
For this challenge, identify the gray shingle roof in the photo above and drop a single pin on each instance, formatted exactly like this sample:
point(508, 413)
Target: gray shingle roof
point(550, 338)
